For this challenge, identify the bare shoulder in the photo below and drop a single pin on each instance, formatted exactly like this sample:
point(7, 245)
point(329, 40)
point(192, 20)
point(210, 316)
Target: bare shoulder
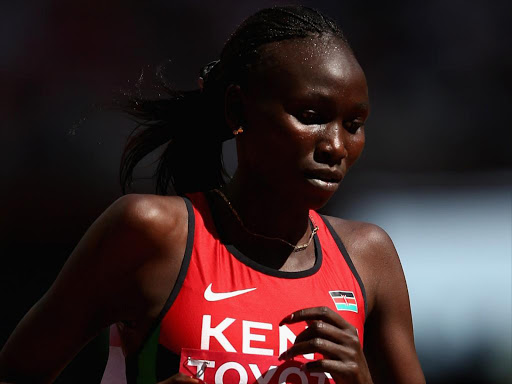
point(372, 251)
point(134, 230)
point(149, 214)
point(125, 250)
point(147, 235)
point(369, 241)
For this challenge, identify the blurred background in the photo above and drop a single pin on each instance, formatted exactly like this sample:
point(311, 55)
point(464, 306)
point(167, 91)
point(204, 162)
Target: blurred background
point(436, 172)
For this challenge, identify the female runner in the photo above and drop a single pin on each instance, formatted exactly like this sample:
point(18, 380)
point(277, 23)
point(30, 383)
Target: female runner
point(246, 265)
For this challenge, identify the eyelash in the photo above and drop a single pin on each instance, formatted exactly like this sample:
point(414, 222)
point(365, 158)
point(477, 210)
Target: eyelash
point(353, 126)
point(310, 117)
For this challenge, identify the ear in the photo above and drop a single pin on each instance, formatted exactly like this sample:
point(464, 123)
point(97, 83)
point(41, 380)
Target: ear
point(234, 107)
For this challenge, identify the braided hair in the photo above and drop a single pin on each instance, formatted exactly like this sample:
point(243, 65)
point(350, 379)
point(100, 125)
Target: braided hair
point(191, 124)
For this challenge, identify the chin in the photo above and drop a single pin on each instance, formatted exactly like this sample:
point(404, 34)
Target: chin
point(318, 197)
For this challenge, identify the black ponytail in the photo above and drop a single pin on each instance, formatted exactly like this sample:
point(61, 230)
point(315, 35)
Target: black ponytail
point(191, 127)
point(191, 124)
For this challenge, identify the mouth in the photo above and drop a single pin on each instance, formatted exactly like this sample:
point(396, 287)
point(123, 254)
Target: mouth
point(328, 181)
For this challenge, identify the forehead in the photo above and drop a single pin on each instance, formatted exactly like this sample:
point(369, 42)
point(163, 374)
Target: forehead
point(307, 64)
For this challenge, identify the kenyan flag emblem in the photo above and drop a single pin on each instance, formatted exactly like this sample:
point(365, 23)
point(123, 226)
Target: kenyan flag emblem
point(344, 300)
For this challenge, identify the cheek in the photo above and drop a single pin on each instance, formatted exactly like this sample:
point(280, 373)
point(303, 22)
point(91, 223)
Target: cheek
point(355, 147)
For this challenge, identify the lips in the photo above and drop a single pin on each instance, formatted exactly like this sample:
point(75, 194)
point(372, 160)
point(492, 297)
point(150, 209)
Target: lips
point(325, 179)
point(325, 175)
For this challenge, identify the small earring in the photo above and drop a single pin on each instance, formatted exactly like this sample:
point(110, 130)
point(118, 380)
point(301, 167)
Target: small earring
point(237, 131)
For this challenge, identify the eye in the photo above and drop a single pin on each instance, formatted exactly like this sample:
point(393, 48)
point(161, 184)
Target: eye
point(353, 126)
point(309, 117)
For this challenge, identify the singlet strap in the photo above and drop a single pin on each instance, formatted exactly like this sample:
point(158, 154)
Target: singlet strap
point(348, 260)
point(184, 264)
point(140, 364)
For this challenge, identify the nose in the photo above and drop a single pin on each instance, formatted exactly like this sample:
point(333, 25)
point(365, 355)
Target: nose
point(331, 148)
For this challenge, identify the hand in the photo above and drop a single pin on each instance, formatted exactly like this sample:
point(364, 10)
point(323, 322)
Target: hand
point(336, 339)
point(181, 378)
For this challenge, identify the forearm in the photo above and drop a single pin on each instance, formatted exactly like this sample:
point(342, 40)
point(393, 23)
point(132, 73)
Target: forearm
point(42, 344)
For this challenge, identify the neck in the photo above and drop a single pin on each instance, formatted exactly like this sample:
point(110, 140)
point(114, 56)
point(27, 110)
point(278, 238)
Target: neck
point(263, 211)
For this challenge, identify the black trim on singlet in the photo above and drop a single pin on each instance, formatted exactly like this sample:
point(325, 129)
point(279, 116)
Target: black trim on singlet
point(274, 272)
point(348, 260)
point(132, 360)
point(257, 266)
point(184, 264)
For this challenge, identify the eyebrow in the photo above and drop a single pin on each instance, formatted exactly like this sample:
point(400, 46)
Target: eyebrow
point(325, 96)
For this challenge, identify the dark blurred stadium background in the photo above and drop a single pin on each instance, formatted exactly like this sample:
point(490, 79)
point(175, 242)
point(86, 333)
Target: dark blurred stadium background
point(436, 172)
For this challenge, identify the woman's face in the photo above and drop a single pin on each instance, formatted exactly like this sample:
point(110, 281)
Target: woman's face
point(304, 112)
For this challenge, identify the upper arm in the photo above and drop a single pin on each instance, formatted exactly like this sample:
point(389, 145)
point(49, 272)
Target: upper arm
point(389, 340)
point(104, 280)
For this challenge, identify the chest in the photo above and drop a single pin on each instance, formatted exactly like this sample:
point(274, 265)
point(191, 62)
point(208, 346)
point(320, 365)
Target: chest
point(240, 309)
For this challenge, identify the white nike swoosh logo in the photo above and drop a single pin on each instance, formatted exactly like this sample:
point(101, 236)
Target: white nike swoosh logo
point(216, 296)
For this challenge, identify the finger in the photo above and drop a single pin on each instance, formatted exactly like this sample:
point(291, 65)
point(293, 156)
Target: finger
point(322, 346)
point(323, 330)
point(333, 367)
point(325, 314)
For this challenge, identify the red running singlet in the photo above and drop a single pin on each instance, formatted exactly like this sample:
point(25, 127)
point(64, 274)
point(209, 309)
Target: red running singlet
point(224, 301)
